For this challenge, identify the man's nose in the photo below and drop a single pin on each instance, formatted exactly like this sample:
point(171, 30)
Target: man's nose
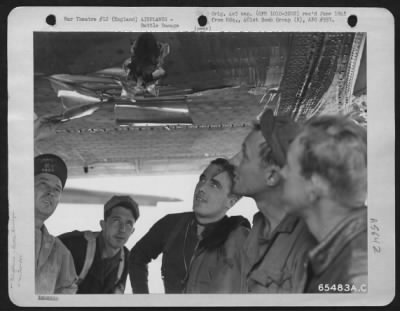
point(122, 227)
point(200, 189)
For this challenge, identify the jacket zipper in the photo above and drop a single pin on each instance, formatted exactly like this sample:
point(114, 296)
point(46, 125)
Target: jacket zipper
point(190, 263)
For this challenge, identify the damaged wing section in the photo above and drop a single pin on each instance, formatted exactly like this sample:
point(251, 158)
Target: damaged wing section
point(83, 95)
point(162, 111)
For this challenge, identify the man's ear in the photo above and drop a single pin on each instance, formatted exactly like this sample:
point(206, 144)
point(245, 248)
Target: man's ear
point(272, 175)
point(319, 188)
point(102, 224)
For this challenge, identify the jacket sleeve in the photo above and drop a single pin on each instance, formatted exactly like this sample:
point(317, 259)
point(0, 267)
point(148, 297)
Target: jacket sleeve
point(145, 250)
point(67, 278)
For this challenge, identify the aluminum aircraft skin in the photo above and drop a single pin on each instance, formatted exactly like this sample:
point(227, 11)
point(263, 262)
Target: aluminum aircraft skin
point(215, 86)
point(82, 95)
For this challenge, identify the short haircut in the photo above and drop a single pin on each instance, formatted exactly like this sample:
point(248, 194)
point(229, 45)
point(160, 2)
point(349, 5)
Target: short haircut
point(335, 147)
point(108, 212)
point(227, 167)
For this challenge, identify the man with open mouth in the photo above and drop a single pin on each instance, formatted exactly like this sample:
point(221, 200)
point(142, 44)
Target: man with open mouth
point(54, 266)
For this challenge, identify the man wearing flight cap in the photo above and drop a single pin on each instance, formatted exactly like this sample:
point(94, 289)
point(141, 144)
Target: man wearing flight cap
point(275, 251)
point(54, 266)
point(100, 258)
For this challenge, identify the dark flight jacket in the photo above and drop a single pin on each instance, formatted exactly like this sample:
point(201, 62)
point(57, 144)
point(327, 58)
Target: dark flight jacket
point(175, 236)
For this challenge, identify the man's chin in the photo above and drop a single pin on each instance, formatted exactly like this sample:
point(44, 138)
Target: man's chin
point(198, 206)
point(47, 208)
point(119, 243)
point(42, 216)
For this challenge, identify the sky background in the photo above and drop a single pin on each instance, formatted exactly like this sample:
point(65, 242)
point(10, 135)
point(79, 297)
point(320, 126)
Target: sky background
point(69, 217)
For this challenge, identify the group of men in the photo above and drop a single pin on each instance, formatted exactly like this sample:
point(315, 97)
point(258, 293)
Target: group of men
point(79, 262)
point(309, 183)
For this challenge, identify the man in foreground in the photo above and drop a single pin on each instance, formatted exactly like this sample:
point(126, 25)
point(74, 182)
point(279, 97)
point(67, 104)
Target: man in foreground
point(54, 266)
point(326, 184)
point(275, 252)
point(100, 258)
point(201, 249)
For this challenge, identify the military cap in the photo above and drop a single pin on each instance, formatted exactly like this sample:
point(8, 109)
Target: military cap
point(125, 201)
point(51, 164)
point(279, 132)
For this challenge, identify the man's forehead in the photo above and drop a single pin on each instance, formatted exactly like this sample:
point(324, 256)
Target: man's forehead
point(120, 210)
point(49, 178)
point(213, 170)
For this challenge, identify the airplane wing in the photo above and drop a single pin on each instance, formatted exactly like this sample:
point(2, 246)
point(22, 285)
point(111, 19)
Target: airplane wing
point(222, 81)
point(82, 196)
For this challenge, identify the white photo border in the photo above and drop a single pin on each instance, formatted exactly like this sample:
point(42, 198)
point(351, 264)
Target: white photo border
point(377, 23)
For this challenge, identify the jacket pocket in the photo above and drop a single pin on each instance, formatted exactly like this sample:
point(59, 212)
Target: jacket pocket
point(275, 281)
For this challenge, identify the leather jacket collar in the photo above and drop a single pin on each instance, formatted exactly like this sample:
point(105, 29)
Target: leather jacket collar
point(215, 234)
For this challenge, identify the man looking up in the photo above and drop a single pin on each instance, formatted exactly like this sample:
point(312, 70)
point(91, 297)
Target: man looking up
point(54, 266)
point(201, 249)
point(100, 257)
point(326, 184)
point(275, 251)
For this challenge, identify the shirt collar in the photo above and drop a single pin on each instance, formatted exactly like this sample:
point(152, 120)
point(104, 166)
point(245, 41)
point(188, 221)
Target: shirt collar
point(260, 237)
point(46, 246)
point(323, 254)
point(46, 236)
point(287, 224)
point(208, 228)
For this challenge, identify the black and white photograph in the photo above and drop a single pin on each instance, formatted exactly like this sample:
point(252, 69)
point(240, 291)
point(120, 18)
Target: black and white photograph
point(201, 162)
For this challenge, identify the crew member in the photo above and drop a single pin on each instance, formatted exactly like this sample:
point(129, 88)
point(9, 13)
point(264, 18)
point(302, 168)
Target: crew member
point(326, 185)
point(54, 266)
point(201, 249)
point(276, 249)
point(100, 258)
